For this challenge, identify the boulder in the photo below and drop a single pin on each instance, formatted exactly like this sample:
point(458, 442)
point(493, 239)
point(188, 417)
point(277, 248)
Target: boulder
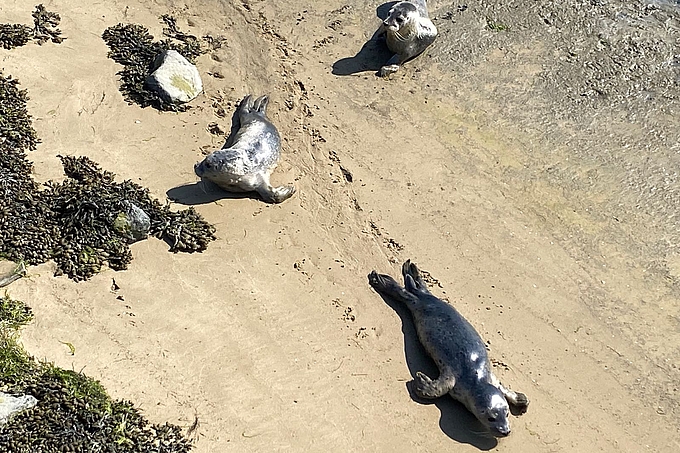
point(175, 79)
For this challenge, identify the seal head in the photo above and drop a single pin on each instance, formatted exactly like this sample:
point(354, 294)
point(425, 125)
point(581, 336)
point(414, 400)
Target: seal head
point(493, 409)
point(402, 14)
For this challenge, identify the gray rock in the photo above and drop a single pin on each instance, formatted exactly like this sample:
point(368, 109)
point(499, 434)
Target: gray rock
point(132, 223)
point(175, 79)
point(10, 405)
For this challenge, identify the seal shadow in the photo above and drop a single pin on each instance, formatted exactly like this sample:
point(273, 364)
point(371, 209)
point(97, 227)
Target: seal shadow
point(373, 54)
point(455, 420)
point(204, 192)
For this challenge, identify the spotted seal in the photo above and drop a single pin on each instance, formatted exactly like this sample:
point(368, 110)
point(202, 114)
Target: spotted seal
point(408, 31)
point(246, 165)
point(457, 349)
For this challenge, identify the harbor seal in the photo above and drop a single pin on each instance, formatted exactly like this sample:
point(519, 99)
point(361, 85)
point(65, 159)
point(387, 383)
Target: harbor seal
point(408, 32)
point(457, 349)
point(246, 165)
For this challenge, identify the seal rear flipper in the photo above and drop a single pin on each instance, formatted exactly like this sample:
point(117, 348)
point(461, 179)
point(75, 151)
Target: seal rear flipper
point(412, 279)
point(260, 105)
point(246, 105)
point(387, 286)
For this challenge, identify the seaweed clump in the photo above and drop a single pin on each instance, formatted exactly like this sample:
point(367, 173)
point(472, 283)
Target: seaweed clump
point(74, 222)
point(133, 47)
point(44, 29)
point(14, 35)
point(45, 26)
point(73, 413)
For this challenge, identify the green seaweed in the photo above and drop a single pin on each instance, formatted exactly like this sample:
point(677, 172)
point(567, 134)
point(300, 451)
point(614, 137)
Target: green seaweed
point(14, 314)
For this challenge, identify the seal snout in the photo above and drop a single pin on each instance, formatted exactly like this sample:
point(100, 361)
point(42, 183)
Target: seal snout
point(198, 169)
point(501, 431)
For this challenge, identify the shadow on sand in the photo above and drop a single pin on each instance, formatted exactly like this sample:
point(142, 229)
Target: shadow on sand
point(372, 56)
point(196, 193)
point(455, 420)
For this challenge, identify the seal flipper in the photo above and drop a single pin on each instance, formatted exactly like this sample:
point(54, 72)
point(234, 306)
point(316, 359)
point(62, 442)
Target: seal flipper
point(519, 403)
point(260, 105)
point(429, 389)
point(391, 66)
point(386, 285)
point(275, 194)
point(244, 109)
point(412, 279)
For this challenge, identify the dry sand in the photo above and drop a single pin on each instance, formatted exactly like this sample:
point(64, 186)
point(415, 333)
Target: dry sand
point(272, 338)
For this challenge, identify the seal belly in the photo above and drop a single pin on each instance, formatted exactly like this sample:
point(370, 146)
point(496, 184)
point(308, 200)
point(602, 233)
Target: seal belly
point(449, 338)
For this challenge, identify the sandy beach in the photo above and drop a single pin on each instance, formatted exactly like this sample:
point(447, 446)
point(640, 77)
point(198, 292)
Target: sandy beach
point(534, 217)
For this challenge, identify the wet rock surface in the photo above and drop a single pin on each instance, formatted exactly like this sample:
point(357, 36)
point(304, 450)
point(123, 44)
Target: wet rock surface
point(14, 404)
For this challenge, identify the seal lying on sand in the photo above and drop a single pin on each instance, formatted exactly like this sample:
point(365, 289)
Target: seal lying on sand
point(408, 31)
point(248, 163)
point(457, 349)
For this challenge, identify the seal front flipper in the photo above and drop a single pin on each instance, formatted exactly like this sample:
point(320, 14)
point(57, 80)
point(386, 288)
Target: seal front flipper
point(273, 194)
point(427, 388)
point(519, 403)
point(390, 67)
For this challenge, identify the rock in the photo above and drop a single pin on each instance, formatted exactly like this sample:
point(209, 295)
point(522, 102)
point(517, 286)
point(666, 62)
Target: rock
point(174, 79)
point(10, 405)
point(132, 223)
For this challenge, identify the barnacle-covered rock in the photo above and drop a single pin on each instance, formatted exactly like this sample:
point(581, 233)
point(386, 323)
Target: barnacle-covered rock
point(132, 222)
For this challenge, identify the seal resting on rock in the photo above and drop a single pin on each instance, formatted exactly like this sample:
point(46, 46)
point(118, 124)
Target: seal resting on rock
point(248, 163)
point(408, 31)
point(457, 349)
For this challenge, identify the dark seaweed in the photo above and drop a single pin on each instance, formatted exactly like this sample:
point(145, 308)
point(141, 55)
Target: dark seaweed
point(74, 413)
point(44, 29)
point(72, 222)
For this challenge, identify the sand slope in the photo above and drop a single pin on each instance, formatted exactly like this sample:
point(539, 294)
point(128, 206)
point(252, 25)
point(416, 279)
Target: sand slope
point(272, 337)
